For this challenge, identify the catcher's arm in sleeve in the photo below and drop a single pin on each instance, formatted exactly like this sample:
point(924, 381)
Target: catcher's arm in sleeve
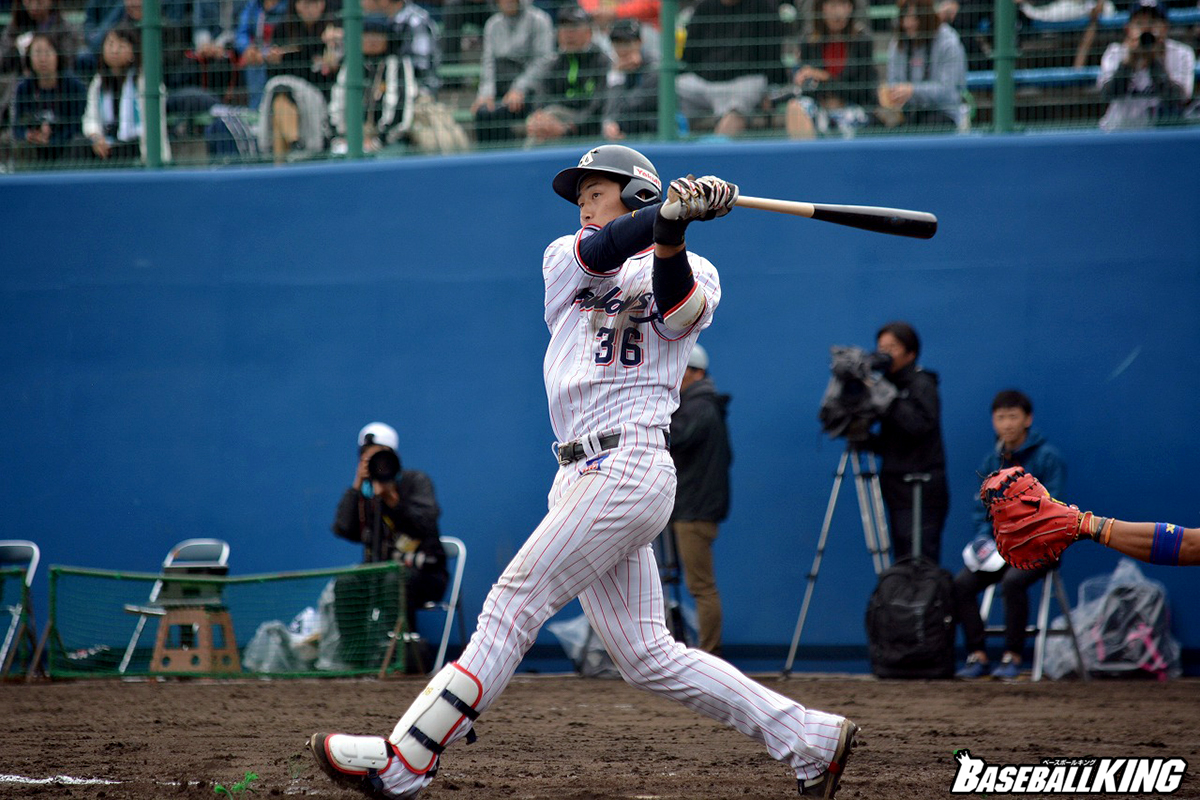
point(1032, 529)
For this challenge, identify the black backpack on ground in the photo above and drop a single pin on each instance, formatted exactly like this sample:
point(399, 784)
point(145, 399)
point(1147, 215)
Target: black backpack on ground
point(910, 621)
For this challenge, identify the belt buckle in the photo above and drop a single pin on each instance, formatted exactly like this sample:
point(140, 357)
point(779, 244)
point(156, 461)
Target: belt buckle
point(564, 453)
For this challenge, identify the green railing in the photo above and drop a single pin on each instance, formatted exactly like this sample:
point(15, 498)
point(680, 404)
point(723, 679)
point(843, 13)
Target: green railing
point(314, 623)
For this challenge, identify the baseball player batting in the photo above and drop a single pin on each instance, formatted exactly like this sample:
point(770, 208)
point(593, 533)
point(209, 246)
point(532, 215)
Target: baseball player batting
point(625, 302)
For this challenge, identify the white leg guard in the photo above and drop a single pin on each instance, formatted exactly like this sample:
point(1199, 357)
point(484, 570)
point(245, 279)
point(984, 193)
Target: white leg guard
point(357, 755)
point(448, 700)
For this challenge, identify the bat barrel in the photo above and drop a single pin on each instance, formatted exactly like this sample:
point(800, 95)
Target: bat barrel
point(894, 221)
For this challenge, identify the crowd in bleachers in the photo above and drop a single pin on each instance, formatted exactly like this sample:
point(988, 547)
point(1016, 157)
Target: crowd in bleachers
point(266, 80)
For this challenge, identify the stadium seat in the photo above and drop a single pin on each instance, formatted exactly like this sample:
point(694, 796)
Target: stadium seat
point(451, 604)
point(208, 557)
point(20, 558)
point(1052, 583)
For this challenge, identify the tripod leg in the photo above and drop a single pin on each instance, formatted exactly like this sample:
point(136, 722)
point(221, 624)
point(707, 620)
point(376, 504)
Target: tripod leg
point(862, 488)
point(671, 547)
point(885, 544)
point(816, 565)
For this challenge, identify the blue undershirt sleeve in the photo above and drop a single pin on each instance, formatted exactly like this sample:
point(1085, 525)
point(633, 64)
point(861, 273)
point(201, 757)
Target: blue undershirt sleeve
point(627, 235)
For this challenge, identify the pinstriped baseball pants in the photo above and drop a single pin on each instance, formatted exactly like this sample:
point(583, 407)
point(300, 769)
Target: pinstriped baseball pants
point(595, 544)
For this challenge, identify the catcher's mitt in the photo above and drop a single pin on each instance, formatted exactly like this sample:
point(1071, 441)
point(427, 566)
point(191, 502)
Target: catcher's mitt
point(1032, 528)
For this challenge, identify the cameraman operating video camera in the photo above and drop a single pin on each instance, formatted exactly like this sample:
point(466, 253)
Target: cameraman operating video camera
point(909, 443)
point(394, 514)
point(1147, 77)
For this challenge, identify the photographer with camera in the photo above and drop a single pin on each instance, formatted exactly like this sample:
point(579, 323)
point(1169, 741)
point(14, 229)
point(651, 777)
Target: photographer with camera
point(1147, 77)
point(909, 444)
point(394, 514)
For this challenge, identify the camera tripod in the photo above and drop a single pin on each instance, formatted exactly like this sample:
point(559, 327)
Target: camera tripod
point(874, 522)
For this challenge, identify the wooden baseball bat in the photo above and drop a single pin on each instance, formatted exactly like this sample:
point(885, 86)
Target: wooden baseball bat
point(894, 221)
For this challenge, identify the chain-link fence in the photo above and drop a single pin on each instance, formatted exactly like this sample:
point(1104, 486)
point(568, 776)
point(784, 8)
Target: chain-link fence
point(348, 621)
point(214, 82)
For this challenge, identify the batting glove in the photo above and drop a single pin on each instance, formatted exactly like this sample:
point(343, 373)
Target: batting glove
point(686, 200)
point(721, 195)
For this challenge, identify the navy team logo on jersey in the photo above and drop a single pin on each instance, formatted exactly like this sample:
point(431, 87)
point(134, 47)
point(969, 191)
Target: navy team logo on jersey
point(612, 303)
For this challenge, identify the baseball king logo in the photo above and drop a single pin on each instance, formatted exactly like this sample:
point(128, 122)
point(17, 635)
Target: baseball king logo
point(1087, 775)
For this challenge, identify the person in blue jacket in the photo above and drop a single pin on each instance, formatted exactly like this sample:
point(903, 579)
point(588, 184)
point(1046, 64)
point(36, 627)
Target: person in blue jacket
point(1017, 444)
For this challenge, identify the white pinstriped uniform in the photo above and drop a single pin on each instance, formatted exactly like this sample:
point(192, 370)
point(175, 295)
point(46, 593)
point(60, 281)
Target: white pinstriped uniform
point(605, 510)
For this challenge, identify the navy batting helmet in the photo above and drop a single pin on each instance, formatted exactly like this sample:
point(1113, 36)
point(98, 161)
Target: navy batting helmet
point(639, 181)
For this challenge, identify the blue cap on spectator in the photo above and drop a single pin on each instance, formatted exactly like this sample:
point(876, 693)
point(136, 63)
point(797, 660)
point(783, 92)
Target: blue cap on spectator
point(1148, 7)
point(573, 15)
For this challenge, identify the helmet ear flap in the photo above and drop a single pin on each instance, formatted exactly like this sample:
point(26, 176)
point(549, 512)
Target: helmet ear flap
point(638, 193)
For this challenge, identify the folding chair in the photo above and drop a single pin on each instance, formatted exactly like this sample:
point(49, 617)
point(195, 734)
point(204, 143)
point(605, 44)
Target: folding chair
point(456, 551)
point(1052, 583)
point(22, 555)
point(194, 556)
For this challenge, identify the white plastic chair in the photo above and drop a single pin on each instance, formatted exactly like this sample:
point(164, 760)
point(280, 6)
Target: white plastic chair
point(451, 605)
point(22, 554)
point(1051, 584)
point(194, 556)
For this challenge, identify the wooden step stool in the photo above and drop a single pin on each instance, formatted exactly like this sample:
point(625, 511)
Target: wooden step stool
point(203, 641)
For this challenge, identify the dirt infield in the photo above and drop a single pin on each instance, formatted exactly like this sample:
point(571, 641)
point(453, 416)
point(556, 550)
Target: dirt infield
point(567, 738)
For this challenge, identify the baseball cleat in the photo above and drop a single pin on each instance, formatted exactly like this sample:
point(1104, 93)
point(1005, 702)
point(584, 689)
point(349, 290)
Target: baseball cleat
point(369, 764)
point(826, 784)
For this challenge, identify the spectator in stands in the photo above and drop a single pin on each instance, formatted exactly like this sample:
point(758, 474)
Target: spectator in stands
point(518, 41)
point(29, 17)
point(212, 57)
point(1017, 444)
point(114, 126)
point(310, 44)
point(129, 12)
point(1148, 78)
point(95, 16)
point(255, 43)
point(836, 76)
point(48, 107)
point(294, 112)
point(387, 96)
point(214, 26)
point(569, 99)
point(631, 108)
point(393, 513)
point(463, 20)
point(733, 51)
point(176, 71)
point(37, 16)
point(417, 36)
point(926, 71)
point(972, 21)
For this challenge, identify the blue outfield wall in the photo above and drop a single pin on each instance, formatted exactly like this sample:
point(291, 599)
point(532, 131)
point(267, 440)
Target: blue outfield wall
point(192, 353)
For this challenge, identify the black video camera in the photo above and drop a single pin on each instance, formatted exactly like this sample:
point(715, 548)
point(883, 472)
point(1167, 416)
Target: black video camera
point(1147, 41)
point(384, 466)
point(854, 398)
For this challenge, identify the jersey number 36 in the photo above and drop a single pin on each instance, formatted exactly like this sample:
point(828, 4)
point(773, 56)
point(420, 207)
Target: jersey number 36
point(630, 347)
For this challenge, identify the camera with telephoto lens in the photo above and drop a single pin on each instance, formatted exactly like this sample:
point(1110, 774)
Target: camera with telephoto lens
point(855, 398)
point(384, 466)
point(1147, 41)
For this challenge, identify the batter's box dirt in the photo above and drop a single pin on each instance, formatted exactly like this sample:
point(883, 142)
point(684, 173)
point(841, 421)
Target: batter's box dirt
point(565, 738)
